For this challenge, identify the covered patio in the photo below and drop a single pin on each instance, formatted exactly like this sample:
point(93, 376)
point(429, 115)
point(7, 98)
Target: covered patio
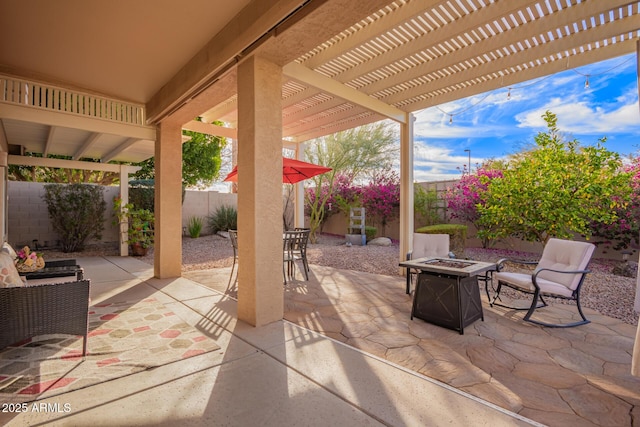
point(119, 81)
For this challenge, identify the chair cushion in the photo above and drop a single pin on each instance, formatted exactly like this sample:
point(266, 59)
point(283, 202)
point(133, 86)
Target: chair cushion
point(565, 255)
point(430, 245)
point(523, 281)
point(9, 276)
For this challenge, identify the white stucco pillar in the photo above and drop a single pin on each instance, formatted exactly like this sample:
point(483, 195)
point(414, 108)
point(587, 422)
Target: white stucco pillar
point(167, 244)
point(260, 278)
point(124, 197)
point(299, 195)
point(406, 187)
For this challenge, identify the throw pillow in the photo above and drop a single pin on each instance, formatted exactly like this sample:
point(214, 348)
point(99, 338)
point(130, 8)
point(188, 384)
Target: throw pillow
point(9, 276)
point(6, 247)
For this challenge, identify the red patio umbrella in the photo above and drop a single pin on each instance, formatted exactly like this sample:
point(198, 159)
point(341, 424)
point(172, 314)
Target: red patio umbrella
point(292, 171)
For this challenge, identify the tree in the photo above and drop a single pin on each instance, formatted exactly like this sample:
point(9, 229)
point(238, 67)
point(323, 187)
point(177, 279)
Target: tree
point(555, 190)
point(200, 159)
point(355, 153)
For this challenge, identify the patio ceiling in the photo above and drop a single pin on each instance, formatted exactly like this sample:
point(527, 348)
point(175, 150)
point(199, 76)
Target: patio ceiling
point(412, 55)
point(344, 64)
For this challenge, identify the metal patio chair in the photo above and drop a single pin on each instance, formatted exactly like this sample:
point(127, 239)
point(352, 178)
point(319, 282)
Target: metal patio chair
point(559, 273)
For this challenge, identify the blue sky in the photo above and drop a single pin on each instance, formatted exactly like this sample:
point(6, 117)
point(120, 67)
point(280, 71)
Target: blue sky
point(493, 125)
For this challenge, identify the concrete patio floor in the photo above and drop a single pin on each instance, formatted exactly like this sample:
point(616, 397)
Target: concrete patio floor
point(559, 377)
point(279, 375)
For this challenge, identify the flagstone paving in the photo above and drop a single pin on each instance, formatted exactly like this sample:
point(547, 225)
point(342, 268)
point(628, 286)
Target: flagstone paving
point(559, 377)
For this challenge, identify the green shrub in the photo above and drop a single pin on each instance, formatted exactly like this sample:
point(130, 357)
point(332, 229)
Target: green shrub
point(142, 194)
point(425, 204)
point(370, 232)
point(76, 212)
point(194, 226)
point(457, 235)
point(224, 218)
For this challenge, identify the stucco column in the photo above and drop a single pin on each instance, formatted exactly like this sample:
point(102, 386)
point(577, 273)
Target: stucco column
point(167, 261)
point(260, 280)
point(406, 187)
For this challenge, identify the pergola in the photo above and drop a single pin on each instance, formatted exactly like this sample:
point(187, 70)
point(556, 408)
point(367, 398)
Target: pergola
point(119, 80)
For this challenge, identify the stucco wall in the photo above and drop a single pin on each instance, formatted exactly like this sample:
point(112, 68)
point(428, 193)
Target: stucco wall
point(28, 219)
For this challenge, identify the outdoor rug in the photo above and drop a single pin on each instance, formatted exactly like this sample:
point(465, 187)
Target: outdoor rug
point(124, 338)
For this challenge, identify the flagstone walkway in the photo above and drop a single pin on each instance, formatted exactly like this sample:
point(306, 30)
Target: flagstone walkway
point(559, 377)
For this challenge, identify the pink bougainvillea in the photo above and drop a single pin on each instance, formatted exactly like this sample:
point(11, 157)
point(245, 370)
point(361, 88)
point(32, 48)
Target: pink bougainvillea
point(623, 233)
point(381, 197)
point(465, 196)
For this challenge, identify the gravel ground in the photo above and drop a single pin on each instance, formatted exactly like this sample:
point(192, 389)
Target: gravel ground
point(603, 291)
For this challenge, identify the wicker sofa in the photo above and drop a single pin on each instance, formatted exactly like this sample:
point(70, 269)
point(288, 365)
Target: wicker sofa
point(53, 308)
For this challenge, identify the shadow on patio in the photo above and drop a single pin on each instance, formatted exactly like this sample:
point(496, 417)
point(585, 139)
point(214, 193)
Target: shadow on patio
point(576, 376)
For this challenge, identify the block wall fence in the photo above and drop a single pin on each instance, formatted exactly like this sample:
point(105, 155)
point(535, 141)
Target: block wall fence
point(28, 219)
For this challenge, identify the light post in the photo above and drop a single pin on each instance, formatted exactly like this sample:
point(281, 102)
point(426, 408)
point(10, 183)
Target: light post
point(468, 170)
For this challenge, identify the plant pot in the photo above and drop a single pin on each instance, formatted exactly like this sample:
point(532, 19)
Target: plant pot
point(138, 250)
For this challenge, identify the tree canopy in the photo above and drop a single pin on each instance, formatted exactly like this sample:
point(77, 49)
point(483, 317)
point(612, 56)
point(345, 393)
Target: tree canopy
point(200, 160)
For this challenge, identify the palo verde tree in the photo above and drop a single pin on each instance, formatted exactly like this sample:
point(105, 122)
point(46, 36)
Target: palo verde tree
point(554, 190)
point(354, 153)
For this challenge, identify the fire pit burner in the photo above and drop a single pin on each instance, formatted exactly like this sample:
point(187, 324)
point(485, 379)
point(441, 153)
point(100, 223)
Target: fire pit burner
point(448, 263)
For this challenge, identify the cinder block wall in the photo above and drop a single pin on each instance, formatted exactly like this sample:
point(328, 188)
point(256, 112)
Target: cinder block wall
point(28, 218)
point(202, 203)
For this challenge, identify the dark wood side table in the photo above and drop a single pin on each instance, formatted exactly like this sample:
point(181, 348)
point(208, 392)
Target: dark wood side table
point(447, 292)
point(57, 268)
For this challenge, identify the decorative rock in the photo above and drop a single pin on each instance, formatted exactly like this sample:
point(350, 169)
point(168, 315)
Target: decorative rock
point(224, 234)
point(380, 241)
point(625, 269)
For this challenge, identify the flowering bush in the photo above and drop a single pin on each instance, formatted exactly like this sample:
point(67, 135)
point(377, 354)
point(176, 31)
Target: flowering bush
point(624, 231)
point(28, 260)
point(381, 197)
point(470, 192)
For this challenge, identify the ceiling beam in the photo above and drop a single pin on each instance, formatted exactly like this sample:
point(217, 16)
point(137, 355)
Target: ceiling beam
point(211, 129)
point(88, 143)
point(333, 87)
point(119, 149)
point(68, 164)
point(49, 142)
point(54, 118)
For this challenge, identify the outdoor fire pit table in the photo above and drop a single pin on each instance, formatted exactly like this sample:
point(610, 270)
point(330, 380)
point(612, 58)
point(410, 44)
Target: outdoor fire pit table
point(447, 292)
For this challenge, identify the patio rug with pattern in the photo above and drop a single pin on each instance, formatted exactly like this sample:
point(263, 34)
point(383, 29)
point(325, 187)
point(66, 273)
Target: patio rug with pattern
point(124, 338)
